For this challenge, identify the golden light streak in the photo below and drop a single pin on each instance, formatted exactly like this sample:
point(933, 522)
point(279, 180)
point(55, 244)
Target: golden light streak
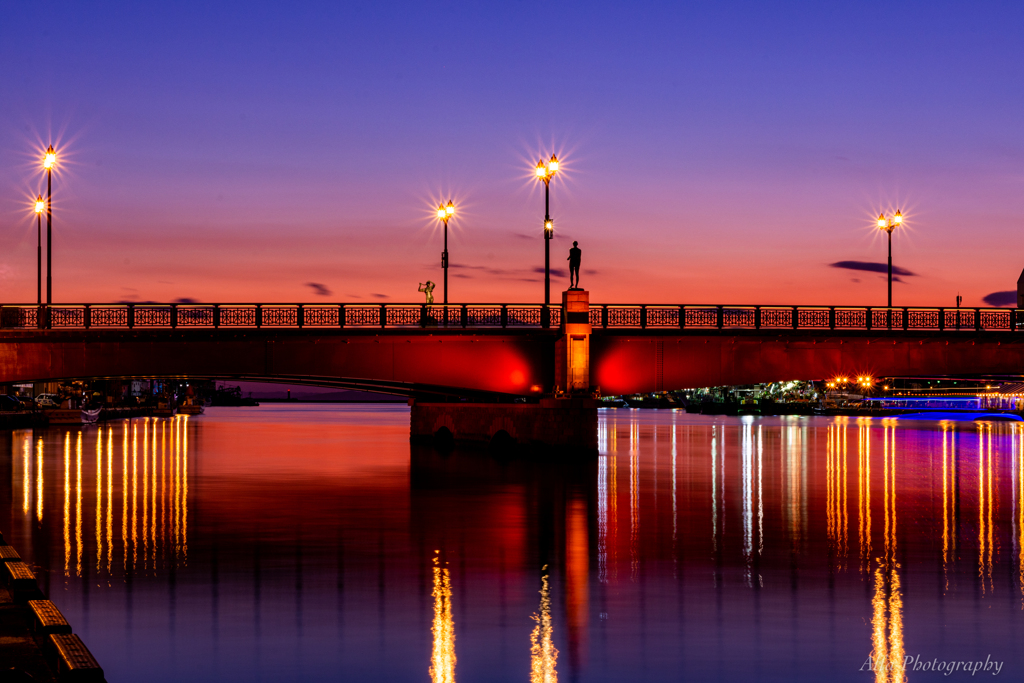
point(154, 494)
point(945, 505)
point(135, 494)
point(864, 494)
point(124, 492)
point(879, 641)
point(837, 519)
point(543, 654)
point(442, 657)
point(39, 480)
point(145, 491)
point(829, 484)
point(845, 493)
point(889, 488)
point(184, 492)
point(897, 673)
point(99, 500)
point(164, 528)
point(1019, 453)
point(175, 448)
point(78, 505)
point(67, 505)
point(887, 652)
point(110, 497)
point(795, 489)
point(26, 476)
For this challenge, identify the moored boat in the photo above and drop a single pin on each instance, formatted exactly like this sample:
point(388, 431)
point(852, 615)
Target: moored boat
point(71, 416)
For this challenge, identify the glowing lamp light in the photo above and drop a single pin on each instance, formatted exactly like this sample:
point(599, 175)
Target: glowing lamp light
point(541, 171)
point(898, 218)
point(549, 225)
point(40, 204)
point(450, 209)
point(441, 212)
point(882, 223)
point(50, 159)
point(553, 165)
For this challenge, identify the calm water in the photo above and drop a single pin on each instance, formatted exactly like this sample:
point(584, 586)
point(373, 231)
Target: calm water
point(313, 543)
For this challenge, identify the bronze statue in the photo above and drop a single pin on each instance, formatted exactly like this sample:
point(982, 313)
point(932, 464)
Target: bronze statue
point(428, 289)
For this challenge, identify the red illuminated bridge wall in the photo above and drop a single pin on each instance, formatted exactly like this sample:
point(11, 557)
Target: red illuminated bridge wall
point(503, 361)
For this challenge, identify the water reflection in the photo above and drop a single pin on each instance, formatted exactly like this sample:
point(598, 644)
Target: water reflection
point(91, 482)
point(887, 654)
point(985, 496)
point(316, 544)
point(543, 653)
point(442, 659)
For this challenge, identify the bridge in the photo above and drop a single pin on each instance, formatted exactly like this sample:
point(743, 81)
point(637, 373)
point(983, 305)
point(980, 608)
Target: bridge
point(502, 350)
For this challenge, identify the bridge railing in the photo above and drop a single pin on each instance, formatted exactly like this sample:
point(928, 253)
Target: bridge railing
point(724, 317)
point(476, 316)
point(130, 316)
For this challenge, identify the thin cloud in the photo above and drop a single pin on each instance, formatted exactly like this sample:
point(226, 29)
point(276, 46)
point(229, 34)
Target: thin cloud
point(871, 267)
point(381, 296)
point(319, 289)
point(557, 272)
point(186, 300)
point(1008, 298)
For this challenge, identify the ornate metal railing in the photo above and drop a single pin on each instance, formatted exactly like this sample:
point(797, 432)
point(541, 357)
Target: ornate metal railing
point(131, 316)
point(605, 316)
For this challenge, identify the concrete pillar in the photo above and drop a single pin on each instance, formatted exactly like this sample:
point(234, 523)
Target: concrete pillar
point(572, 350)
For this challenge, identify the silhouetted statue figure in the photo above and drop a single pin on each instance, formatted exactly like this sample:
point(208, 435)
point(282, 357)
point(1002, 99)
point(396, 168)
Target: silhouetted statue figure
point(574, 266)
point(428, 289)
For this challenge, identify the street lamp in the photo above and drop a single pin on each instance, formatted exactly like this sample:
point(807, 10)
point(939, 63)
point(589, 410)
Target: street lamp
point(890, 224)
point(445, 213)
point(40, 207)
point(546, 171)
point(49, 161)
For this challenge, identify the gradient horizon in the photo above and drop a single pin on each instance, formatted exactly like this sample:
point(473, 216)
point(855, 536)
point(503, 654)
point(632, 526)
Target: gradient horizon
point(713, 153)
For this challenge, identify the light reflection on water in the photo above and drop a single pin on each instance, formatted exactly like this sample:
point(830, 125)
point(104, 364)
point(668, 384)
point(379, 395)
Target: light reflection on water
point(290, 543)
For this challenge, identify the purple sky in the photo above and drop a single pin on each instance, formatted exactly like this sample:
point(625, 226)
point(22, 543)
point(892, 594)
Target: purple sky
point(713, 152)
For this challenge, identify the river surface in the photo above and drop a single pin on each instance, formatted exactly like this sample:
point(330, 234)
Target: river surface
point(313, 543)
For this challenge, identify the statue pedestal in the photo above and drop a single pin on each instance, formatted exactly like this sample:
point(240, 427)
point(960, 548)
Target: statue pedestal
point(572, 350)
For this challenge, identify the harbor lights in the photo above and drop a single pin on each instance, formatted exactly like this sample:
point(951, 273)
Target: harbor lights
point(49, 161)
point(545, 171)
point(40, 207)
point(890, 224)
point(444, 214)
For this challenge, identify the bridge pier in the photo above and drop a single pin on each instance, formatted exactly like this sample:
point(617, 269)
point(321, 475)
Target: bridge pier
point(565, 421)
point(559, 425)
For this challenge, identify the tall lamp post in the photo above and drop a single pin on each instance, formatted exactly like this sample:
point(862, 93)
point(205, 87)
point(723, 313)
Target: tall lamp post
point(545, 172)
point(49, 161)
point(445, 213)
point(40, 207)
point(890, 224)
